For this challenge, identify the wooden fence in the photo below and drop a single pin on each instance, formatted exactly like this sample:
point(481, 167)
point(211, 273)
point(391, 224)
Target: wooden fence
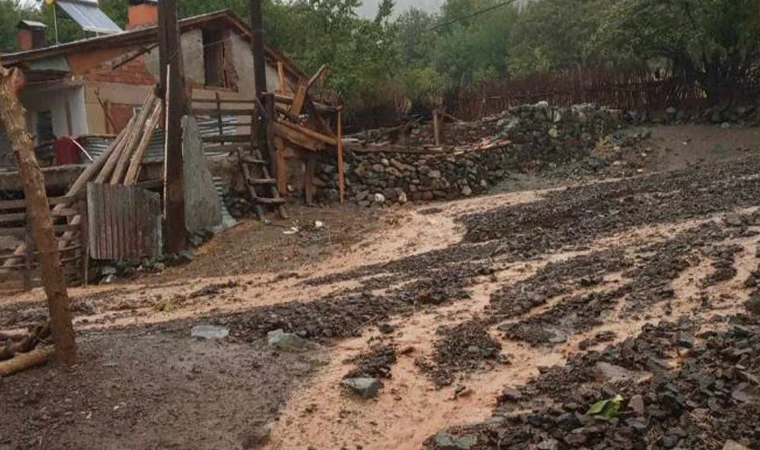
point(629, 88)
point(19, 258)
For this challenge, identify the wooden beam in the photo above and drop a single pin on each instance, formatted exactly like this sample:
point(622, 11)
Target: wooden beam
point(311, 133)
point(341, 175)
point(297, 138)
point(299, 99)
point(322, 70)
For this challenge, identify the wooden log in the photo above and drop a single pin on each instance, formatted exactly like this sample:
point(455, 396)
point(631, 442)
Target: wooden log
point(299, 99)
point(437, 127)
point(105, 172)
point(135, 138)
point(13, 117)
point(134, 166)
point(23, 361)
point(320, 73)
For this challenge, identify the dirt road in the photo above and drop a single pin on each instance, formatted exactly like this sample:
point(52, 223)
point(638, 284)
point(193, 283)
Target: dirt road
point(449, 303)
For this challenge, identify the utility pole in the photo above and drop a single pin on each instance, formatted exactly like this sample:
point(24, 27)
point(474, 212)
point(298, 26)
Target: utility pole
point(13, 117)
point(264, 134)
point(172, 90)
point(257, 46)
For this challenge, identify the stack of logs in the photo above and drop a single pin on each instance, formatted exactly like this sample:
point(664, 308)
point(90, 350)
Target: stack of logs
point(119, 164)
point(19, 352)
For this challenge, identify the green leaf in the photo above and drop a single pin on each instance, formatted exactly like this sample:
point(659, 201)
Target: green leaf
point(606, 408)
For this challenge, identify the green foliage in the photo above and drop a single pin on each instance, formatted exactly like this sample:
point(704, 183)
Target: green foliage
point(608, 409)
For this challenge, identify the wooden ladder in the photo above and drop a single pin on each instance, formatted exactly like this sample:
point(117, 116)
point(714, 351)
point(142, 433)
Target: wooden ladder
point(256, 174)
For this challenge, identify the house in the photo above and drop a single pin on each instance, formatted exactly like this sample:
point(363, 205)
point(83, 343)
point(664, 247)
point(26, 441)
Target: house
point(93, 86)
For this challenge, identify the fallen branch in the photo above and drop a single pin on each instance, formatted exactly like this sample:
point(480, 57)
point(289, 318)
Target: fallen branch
point(23, 361)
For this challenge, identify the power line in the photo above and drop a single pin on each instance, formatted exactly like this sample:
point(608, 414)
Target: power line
point(476, 13)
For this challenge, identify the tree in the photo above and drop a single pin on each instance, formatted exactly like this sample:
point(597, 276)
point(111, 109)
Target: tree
point(554, 35)
point(713, 42)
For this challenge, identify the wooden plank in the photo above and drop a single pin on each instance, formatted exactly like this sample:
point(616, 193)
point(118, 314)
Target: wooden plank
point(259, 181)
point(18, 204)
point(28, 258)
point(316, 76)
point(224, 111)
point(297, 138)
point(246, 138)
point(329, 140)
point(233, 101)
point(299, 99)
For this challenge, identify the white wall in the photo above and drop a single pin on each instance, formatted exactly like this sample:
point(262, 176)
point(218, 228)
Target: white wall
point(57, 98)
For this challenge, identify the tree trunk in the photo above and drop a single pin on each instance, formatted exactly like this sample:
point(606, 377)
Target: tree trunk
point(13, 117)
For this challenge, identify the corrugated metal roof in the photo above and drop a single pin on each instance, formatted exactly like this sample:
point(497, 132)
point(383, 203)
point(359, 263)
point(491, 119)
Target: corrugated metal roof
point(88, 16)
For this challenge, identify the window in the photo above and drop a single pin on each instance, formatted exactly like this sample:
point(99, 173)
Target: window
point(213, 57)
point(44, 127)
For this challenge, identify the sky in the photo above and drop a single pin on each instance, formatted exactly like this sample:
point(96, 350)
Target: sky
point(369, 7)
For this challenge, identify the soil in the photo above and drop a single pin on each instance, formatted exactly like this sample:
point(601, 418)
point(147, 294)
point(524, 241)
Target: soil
point(492, 310)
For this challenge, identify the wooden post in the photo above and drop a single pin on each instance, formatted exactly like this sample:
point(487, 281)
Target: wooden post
point(13, 117)
point(219, 121)
point(257, 47)
point(437, 127)
point(85, 242)
point(308, 179)
point(28, 257)
point(174, 108)
point(341, 174)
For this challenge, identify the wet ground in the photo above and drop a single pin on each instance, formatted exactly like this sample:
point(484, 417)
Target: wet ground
point(459, 308)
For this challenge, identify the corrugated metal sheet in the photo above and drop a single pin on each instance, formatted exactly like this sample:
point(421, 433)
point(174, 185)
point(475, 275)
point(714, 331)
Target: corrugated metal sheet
point(155, 152)
point(124, 222)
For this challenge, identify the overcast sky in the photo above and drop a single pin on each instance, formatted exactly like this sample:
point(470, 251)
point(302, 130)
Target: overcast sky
point(369, 7)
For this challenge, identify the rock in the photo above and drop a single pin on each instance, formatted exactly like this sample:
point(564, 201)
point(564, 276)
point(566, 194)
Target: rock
point(209, 332)
point(378, 198)
point(361, 195)
point(108, 279)
point(107, 270)
point(363, 387)
point(613, 374)
point(733, 445)
point(548, 444)
point(466, 191)
point(185, 256)
point(685, 340)
point(446, 441)
point(402, 197)
point(287, 341)
point(509, 395)
point(386, 328)
point(753, 305)
point(734, 220)
point(636, 403)
point(435, 174)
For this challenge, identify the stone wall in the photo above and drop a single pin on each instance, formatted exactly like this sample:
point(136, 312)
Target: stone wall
point(524, 138)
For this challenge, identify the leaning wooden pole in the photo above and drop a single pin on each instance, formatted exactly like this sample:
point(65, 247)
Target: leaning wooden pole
point(13, 117)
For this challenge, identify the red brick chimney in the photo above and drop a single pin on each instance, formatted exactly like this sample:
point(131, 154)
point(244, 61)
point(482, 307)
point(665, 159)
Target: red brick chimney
point(142, 13)
point(30, 35)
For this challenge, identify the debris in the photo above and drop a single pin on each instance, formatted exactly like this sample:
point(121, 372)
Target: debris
point(733, 445)
point(363, 387)
point(210, 332)
point(446, 441)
